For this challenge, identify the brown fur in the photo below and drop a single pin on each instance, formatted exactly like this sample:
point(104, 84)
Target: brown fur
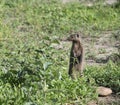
point(76, 55)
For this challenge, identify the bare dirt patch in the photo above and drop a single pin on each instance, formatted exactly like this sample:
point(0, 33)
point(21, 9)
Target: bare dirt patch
point(91, 2)
point(109, 100)
point(99, 49)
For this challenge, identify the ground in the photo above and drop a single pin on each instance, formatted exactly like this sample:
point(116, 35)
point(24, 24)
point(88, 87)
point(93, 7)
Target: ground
point(110, 100)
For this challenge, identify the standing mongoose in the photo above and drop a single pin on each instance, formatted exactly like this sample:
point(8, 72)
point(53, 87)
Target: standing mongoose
point(76, 56)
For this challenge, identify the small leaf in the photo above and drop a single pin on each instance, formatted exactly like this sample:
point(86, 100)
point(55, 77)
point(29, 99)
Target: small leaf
point(46, 64)
point(56, 41)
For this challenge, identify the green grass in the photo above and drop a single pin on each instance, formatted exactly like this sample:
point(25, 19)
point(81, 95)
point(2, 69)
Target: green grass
point(108, 76)
point(55, 18)
point(32, 71)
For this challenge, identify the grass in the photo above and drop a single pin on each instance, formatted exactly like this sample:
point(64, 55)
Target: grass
point(32, 71)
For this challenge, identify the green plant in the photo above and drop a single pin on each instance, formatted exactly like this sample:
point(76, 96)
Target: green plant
point(108, 75)
point(32, 71)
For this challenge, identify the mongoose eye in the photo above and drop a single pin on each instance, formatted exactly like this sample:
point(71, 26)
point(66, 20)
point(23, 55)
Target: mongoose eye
point(78, 35)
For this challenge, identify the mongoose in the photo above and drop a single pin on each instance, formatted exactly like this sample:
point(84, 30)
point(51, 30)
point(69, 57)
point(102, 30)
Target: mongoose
point(76, 55)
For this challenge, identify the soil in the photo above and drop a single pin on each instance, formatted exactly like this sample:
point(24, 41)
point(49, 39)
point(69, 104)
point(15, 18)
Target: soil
point(101, 49)
point(109, 100)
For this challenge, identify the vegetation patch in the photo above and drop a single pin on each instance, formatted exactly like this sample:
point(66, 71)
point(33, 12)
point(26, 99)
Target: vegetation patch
point(32, 71)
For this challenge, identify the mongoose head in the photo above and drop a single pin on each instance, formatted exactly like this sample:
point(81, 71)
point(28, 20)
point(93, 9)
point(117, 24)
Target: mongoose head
point(74, 37)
